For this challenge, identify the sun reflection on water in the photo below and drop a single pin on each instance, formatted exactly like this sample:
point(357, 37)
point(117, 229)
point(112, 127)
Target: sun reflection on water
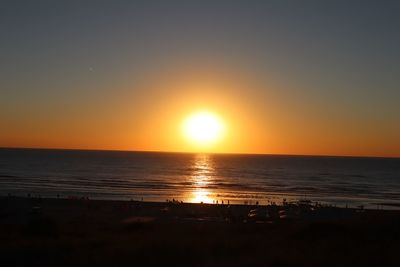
point(201, 196)
point(201, 179)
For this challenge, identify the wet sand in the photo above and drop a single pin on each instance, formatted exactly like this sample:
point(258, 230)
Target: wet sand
point(65, 232)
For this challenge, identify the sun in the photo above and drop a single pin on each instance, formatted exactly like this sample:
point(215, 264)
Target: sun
point(203, 128)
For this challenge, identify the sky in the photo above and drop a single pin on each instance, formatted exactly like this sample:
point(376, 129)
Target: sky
point(286, 77)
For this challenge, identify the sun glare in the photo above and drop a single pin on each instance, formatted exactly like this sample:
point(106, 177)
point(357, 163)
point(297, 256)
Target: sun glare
point(203, 128)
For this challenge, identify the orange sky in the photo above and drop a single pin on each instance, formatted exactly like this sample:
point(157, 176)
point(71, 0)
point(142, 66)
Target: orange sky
point(284, 78)
point(268, 122)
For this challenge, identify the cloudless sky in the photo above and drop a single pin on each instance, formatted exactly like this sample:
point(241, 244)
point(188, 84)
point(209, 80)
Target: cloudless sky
point(291, 77)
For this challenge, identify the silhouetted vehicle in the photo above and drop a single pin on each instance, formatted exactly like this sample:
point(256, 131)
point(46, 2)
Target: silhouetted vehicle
point(258, 214)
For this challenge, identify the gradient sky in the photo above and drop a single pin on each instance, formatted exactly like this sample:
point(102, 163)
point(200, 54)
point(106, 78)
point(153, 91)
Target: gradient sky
point(287, 77)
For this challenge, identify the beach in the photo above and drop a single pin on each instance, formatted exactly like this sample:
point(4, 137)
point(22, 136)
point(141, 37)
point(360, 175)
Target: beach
point(84, 232)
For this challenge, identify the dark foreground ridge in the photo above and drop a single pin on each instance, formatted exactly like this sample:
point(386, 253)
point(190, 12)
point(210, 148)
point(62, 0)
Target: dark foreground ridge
point(79, 232)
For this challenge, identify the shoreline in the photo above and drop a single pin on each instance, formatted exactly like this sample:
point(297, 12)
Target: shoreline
point(274, 200)
point(300, 211)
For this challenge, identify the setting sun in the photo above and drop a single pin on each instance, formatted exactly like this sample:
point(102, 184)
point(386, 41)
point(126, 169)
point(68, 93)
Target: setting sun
point(203, 128)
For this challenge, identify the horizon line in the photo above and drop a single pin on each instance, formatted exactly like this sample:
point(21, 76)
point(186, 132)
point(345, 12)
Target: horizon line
point(192, 152)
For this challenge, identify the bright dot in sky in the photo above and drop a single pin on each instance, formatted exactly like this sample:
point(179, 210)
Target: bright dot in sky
point(203, 128)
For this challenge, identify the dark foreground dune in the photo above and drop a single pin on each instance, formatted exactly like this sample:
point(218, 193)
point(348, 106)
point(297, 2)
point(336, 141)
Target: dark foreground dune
point(61, 232)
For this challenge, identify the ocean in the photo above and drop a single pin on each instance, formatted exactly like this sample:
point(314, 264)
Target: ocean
point(208, 178)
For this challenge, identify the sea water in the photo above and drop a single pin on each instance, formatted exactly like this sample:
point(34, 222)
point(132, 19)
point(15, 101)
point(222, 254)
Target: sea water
point(208, 178)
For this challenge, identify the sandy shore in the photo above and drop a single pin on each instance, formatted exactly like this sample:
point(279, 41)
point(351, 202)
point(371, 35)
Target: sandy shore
point(64, 232)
